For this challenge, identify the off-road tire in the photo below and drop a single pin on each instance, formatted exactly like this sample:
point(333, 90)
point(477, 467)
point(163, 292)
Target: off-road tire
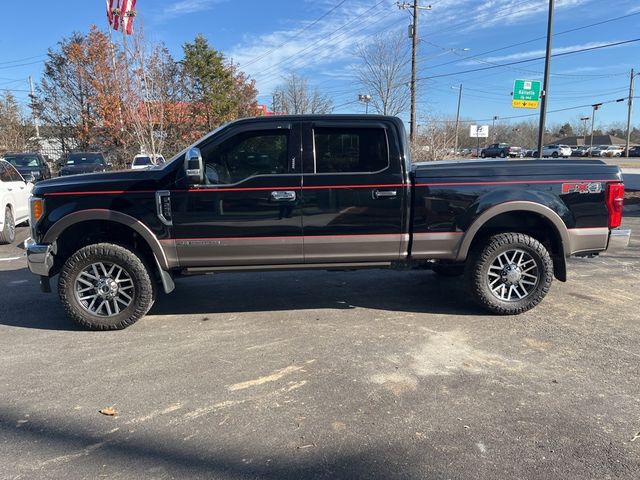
point(483, 256)
point(8, 233)
point(144, 288)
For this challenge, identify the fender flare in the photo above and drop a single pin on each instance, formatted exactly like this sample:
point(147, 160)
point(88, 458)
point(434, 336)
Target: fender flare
point(514, 206)
point(110, 215)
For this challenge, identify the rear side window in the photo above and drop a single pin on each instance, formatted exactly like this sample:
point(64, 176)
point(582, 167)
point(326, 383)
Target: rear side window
point(9, 174)
point(350, 150)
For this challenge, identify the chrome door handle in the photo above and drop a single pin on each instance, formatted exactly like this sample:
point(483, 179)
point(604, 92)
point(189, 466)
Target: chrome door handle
point(385, 193)
point(283, 196)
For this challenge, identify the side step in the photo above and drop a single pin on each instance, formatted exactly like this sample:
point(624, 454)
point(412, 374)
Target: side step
point(285, 267)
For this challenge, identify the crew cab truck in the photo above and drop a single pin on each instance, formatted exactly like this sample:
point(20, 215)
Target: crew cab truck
point(317, 192)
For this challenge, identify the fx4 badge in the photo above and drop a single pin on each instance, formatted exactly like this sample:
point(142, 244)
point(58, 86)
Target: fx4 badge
point(582, 187)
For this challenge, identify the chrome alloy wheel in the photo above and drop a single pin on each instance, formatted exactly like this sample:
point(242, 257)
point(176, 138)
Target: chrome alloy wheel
point(104, 289)
point(513, 275)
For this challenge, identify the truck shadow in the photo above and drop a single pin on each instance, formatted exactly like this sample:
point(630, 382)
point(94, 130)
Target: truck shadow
point(417, 291)
point(24, 305)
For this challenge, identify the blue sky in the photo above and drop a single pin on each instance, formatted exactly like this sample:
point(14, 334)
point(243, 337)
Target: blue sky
point(273, 38)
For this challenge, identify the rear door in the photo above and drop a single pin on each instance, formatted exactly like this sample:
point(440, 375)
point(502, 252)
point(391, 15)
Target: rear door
point(18, 189)
point(248, 211)
point(353, 192)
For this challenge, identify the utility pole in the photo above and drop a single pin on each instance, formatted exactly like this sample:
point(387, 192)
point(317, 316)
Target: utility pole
point(413, 32)
point(596, 107)
point(455, 150)
point(34, 112)
point(545, 88)
point(629, 111)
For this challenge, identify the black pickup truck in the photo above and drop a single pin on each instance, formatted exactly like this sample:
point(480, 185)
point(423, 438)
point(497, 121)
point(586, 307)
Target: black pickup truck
point(317, 192)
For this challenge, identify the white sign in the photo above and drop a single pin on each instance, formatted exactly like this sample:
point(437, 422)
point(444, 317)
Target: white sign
point(479, 131)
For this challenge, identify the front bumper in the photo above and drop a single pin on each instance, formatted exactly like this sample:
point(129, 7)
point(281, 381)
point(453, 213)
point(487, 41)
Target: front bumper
point(39, 257)
point(618, 240)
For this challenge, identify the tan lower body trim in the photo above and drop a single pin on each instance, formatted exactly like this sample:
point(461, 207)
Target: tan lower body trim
point(443, 245)
point(353, 248)
point(587, 239)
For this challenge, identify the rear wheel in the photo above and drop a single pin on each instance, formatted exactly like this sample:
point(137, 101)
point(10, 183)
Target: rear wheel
point(502, 155)
point(554, 154)
point(8, 233)
point(105, 287)
point(510, 274)
point(483, 155)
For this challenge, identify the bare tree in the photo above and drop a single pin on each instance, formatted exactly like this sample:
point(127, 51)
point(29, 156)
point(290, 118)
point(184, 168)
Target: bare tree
point(384, 73)
point(14, 130)
point(295, 97)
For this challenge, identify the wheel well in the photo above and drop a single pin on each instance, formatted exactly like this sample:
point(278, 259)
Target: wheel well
point(89, 232)
point(529, 223)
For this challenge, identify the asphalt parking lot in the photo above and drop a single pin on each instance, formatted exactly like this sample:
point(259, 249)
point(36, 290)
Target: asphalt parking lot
point(370, 374)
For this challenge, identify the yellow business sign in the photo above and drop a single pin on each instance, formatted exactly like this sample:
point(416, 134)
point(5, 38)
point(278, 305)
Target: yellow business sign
point(525, 103)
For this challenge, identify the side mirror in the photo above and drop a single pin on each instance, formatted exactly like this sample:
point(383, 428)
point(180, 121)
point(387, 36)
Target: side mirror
point(30, 178)
point(194, 166)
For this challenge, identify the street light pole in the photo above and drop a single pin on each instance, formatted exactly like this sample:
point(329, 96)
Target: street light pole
point(545, 90)
point(493, 128)
point(584, 127)
point(595, 106)
point(629, 110)
point(455, 150)
point(365, 98)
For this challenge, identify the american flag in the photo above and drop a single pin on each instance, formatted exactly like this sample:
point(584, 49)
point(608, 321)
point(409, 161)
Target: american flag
point(120, 14)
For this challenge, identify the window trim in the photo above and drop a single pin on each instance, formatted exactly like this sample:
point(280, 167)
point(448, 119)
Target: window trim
point(312, 130)
point(253, 128)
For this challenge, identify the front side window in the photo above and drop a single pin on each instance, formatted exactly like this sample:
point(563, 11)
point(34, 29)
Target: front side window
point(264, 152)
point(350, 150)
point(4, 173)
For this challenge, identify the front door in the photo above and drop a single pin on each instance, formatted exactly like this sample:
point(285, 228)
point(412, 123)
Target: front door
point(353, 192)
point(248, 211)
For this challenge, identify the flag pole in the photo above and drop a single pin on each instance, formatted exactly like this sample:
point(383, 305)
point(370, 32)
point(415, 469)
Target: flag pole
point(112, 48)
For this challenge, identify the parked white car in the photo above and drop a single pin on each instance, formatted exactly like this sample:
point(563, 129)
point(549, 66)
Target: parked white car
point(556, 151)
point(612, 151)
point(14, 201)
point(597, 150)
point(143, 161)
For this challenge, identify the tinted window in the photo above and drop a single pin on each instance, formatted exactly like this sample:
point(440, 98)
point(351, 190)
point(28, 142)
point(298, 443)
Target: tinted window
point(263, 152)
point(23, 160)
point(85, 159)
point(350, 150)
point(9, 173)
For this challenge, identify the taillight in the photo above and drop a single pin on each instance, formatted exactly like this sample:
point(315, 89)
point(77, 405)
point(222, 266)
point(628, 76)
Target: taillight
point(615, 201)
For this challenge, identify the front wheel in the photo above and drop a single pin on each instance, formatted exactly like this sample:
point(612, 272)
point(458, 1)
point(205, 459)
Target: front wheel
point(554, 154)
point(105, 287)
point(483, 155)
point(8, 233)
point(510, 274)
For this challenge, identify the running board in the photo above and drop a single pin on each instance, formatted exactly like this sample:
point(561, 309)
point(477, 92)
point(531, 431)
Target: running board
point(296, 266)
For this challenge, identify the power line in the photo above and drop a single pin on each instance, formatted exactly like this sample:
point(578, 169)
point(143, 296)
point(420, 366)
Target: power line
point(518, 62)
point(23, 59)
point(326, 38)
point(506, 47)
point(302, 30)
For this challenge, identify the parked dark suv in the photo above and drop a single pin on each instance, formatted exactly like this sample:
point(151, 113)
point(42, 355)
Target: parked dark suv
point(28, 164)
point(83, 162)
point(502, 150)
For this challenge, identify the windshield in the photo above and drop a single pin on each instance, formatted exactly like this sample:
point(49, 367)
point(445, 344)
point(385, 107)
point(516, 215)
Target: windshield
point(23, 160)
point(142, 161)
point(85, 159)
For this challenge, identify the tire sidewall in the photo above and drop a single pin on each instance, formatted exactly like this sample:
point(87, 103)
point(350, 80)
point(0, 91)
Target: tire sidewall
point(484, 259)
point(9, 230)
point(143, 289)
